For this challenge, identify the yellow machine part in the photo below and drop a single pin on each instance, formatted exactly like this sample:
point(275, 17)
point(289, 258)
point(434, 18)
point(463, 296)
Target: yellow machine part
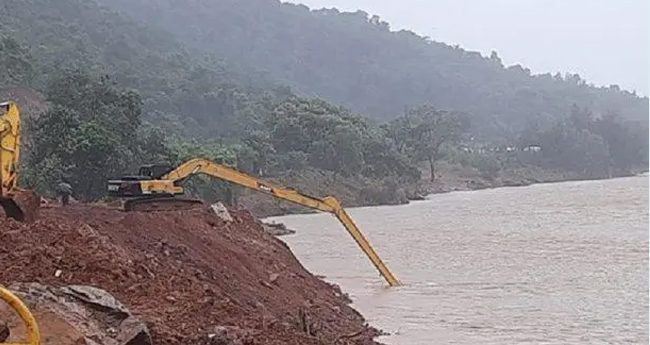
point(168, 184)
point(33, 333)
point(22, 205)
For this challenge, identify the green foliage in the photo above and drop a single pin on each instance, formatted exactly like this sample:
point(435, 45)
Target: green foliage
point(182, 151)
point(627, 143)
point(201, 186)
point(423, 131)
point(92, 132)
point(294, 161)
point(15, 63)
point(488, 164)
point(183, 92)
point(313, 132)
point(587, 145)
point(261, 151)
point(355, 60)
point(98, 128)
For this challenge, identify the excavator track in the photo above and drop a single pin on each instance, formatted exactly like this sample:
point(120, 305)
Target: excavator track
point(156, 204)
point(22, 205)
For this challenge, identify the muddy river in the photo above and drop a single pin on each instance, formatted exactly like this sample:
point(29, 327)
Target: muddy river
point(563, 263)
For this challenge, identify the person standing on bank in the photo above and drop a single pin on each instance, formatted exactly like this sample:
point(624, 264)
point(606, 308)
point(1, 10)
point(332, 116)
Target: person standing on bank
point(64, 189)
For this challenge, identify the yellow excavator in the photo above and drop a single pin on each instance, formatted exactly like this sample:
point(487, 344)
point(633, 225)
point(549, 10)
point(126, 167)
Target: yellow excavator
point(158, 187)
point(33, 333)
point(22, 205)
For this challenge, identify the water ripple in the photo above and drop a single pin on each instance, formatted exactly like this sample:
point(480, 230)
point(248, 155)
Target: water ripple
point(562, 263)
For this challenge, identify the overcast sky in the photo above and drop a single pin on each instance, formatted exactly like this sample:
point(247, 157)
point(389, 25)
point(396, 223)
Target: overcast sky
point(605, 41)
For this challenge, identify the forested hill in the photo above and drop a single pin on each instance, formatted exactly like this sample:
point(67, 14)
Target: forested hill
point(185, 92)
point(355, 60)
point(105, 83)
point(106, 80)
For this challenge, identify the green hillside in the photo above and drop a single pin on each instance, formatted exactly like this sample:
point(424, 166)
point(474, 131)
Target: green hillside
point(355, 60)
point(185, 92)
point(158, 82)
point(86, 60)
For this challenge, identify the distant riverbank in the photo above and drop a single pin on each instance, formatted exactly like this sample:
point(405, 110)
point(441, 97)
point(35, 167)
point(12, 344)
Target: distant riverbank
point(355, 192)
point(458, 180)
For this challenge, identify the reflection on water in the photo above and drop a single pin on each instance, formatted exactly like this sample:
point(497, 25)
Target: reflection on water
point(563, 263)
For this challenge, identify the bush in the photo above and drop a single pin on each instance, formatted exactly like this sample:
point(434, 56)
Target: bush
point(488, 166)
point(388, 192)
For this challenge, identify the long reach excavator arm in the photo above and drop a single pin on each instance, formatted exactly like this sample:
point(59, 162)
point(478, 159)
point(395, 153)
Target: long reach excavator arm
point(157, 184)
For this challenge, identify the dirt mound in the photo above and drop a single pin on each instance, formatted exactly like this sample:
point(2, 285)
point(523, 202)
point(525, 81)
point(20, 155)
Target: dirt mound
point(188, 274)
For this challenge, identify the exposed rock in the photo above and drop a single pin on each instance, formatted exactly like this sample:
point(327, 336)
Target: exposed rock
point(273, 278)
point(230, 335)
point(514, 183)
point(221, 211)
point(78, 314)
point(416, 196)
point(277, 229)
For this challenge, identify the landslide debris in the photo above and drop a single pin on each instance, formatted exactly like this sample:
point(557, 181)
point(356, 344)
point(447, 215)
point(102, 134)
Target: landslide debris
point(191, 276)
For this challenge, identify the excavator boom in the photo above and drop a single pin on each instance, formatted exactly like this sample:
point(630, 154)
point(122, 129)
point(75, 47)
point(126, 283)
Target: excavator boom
point(151, 188)
point(22, 205)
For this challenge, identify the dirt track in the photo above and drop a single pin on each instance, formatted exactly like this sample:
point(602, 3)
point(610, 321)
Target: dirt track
point(183, 273)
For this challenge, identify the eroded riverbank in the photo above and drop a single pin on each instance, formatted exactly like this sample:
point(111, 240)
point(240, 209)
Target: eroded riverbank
point(186, 274)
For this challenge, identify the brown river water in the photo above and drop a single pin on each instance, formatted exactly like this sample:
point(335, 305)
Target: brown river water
point(562, 263)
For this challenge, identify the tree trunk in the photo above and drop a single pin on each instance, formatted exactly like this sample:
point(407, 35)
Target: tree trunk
point(87, 196)
point(433, 168)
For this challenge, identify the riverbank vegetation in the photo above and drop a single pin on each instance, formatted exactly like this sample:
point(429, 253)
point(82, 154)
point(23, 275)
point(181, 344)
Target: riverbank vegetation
point(102, 99)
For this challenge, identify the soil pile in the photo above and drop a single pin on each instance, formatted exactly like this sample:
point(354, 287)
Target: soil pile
point(189, 275)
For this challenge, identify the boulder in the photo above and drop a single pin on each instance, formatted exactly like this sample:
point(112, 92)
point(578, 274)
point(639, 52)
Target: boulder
point(277, 229)
point(230, 335)
point(75, 314)
point(221, 211)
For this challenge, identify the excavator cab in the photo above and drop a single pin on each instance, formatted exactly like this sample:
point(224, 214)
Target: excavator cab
point(149, 190)
point(131, 186)
point(22, 205)
point(149, 172)
point(155, 171)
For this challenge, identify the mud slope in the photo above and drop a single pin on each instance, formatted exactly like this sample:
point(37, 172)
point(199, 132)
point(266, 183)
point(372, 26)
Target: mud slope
point(183, 273)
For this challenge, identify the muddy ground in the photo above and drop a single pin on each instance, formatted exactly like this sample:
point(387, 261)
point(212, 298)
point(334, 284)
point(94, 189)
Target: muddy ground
point(183, 273)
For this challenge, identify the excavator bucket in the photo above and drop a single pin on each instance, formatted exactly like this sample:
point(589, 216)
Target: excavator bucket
point(22, 205)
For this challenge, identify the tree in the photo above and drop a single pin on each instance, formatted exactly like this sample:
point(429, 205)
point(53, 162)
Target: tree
point(625, 146)
point(15, 63)
point(569, 145)
point(593, 146)
point(262, 150)
point(429, 129)
point(352, 59)
point(207, 188)
point(91, 132)
point(582, 118)
point(398, 131)
point(384, 160)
